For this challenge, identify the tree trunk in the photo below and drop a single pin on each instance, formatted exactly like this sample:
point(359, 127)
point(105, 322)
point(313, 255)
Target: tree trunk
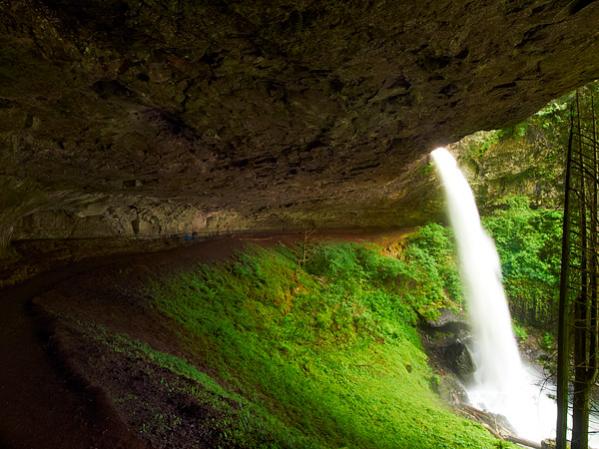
point(586, 322)
point(594, 248)
point(563, 340)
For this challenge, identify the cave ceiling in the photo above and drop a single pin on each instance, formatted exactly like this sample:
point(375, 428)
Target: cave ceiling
point(154, 117)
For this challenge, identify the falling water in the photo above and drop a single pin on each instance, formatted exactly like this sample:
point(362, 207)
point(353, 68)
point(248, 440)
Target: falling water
point(502, 384)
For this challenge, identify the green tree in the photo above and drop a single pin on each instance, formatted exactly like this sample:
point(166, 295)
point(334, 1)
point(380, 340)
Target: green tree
point(525, 240)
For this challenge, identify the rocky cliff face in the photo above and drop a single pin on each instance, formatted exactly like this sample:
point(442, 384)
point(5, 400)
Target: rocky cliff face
point(145, 118)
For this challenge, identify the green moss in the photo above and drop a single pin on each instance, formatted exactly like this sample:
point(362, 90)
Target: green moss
point(234, 420)
point(324, 353)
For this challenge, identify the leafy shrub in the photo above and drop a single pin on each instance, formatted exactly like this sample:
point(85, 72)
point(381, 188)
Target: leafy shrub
point(432, 264)
point(520, 332)
point(547, 342)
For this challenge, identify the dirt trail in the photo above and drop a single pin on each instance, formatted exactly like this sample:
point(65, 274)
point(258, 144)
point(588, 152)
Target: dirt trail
point(41, 404)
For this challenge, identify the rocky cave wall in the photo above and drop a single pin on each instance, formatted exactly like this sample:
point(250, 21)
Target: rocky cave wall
point(156, 117)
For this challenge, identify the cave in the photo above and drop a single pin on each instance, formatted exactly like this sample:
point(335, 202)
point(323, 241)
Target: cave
point(139, 138)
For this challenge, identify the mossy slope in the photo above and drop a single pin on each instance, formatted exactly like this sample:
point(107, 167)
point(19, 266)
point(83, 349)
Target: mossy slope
point(317, 354)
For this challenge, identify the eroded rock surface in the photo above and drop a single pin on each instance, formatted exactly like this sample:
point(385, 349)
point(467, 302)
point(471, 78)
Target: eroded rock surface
point(144, 118)
point(446, 340)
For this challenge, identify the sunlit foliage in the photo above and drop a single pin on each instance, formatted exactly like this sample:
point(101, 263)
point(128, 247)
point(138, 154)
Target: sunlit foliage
point(322, 354)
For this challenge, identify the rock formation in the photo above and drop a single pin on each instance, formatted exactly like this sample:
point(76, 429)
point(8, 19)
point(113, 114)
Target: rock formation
point(148, 118)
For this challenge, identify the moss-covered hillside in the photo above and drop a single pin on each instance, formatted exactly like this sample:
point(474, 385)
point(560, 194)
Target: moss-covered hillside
point(279, 348)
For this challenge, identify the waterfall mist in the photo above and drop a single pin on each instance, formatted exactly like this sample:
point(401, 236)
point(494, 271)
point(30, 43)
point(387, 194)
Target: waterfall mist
point(502, 383)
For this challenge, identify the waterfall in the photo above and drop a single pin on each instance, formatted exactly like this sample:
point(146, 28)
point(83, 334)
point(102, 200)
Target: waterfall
point(502, 384)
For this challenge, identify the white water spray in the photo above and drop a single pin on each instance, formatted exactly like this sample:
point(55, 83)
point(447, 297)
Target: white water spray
point(502, 384)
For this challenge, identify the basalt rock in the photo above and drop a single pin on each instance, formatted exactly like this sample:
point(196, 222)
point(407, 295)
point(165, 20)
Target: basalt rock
point(458, 359)
point(136, 118)
point(446, 339)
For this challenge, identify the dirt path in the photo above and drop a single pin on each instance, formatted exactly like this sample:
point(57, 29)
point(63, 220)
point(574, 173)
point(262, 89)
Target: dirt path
point(41, 404)
point(40, 407)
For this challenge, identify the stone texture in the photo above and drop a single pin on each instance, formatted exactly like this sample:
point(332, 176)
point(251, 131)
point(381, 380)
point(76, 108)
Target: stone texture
point(143, 118)
point(446, 340)
point(528, 165)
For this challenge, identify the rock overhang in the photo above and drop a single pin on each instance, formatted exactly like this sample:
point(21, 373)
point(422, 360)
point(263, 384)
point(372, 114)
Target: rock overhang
point(139, 118)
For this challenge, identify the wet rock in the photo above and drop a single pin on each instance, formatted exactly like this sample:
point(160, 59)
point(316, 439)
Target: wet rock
point(457, 358)
point(449, 388)
point(548, 444)
point(446, 338)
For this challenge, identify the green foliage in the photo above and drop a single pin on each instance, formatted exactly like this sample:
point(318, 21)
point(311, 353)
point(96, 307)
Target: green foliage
point(523, 159)
point(515, 131)
point(427, 169)
point(554, 109)
point(476, 150)
point(520, 332)
point(530, 259)
point(491, 138)
point(241, 423)
point(524, 167)
point(547, 342)
point(326, 350)
point(431, 259)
